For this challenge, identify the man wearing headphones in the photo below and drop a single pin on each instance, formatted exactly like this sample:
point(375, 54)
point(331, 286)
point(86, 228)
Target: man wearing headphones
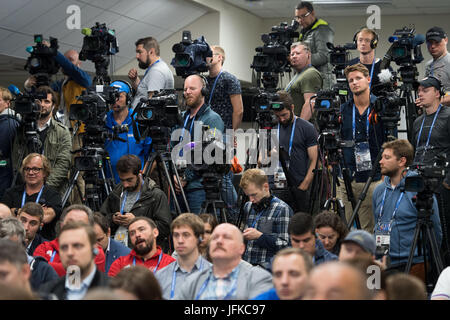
point(187, 231)
point(197, 115)
point(431, 131)
point(56, 142)
point(120, 118)
point(266, 230)
point(366, 40)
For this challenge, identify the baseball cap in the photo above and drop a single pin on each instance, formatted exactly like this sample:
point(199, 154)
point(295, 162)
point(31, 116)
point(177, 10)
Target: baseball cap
point(121, 85)
point(436, 34)
point(430, 82)
point(362, 238)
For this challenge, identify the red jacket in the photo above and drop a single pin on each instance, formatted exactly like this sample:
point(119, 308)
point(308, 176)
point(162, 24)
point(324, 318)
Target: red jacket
point(47, 248)
point(128, 261)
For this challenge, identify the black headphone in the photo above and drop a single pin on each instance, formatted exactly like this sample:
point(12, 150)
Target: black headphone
point(263, 204)
point(205, 91)
point(120, 84)
point(373, 42)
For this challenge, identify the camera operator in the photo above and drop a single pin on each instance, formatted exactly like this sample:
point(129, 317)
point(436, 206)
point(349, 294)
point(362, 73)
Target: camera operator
point(8, 125)
point(198, 114)
point(368, 139)
point(439, 66)
point(74, 83)
point(157, 76)
point(56, 142)
point(394, 211)
point(35, 170)
point(366, 41)
point(299, 138)
point(306, 83)
point(316, 33)
point(431, 131)
point(266, 229)
point(119, 117)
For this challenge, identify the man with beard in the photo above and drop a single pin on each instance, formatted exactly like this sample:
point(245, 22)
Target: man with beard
point(394, 208)
point(299, 138)
point(157, 75)
point(135, 196)
point(143, 233)
point(368, 135)
point(56, 142)
point(197, 115)
point(77, 249)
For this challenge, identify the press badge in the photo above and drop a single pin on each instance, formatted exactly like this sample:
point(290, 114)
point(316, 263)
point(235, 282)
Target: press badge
point(383, 239)
point(122, 235)
point(362, 157)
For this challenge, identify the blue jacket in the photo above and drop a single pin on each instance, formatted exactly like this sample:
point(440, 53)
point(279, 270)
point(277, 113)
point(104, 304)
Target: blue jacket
point(116, 250)
point(117, 148)
point(322, 255)
point(268, 295)
point(76, 74)
point(41, 272)
point(405, 220)
point(8, 127)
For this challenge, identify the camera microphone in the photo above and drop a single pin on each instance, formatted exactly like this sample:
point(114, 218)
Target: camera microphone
point(14, 90)
point(385, 76)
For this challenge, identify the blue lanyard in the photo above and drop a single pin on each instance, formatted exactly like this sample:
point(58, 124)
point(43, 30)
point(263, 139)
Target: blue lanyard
point(295, 78)
point(184, 128)
point(126, 195)
point(371, 72)
point(53, 256)
point(395, 209)
point(354, 125)
point(174, 278)
point(148, 69)
point(431, 129)
point(229, 294)
point(157, 265)
point(259, 215)
point(292, 134)
point(213, 87)
point(37, 199)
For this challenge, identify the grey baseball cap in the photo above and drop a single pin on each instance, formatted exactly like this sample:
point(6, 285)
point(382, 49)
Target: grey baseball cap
point(362, 238)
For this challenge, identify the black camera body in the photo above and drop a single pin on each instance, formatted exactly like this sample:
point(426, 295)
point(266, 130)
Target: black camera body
point(159, 110)
point(339, 58)
point(99, 41)
point(41, 62)
point(404, 44)
point(264, 103)
point(26, 105)
point(190, 56)
point(429, 176)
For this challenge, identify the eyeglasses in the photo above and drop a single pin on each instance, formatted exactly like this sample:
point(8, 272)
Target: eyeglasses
point(33, 170)
point(303, 16)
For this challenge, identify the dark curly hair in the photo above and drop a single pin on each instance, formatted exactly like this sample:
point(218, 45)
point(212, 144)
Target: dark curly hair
point(332, 220)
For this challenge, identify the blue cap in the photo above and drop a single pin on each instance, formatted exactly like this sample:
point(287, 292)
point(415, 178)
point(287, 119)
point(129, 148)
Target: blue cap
point(362, 238)
point(121, 85)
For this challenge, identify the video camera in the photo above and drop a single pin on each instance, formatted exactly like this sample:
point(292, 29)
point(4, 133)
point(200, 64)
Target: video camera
point(272, 56)
point(430, 176)
point(99, 41)
point(190, 56)
point(41, 62)
point(264, 102)
point(339, 58)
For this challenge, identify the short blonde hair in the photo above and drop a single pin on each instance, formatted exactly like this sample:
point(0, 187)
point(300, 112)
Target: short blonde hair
point(6, 94)
point(220, 51)
point(45, 163)
point(357, 67)
point(255, 176)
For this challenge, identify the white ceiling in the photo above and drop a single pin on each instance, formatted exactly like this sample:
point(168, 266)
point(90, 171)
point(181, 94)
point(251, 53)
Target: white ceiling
point(285, 8)
point(131, 20)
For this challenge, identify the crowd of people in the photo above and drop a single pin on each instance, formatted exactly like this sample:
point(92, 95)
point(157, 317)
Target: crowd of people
point(137, 246)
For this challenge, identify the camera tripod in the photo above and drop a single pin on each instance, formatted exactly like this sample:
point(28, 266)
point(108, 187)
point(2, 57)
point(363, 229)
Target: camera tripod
point(97, 186)
point(213, 203)
point(424, 230)
point(408, 75)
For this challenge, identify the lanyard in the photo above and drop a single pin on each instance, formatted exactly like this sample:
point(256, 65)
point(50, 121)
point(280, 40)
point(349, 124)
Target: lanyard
point(184, 128)
point(229, 294)
point(146, 71)
point(126, 195)
point(295, 78)
point(292, 134)
point(259, 215)
point(213, 87)
point(431, 129)
point(371, 72)
point(354, 125)
point(157, 265)
point(395, 209)
point(37, 199)
point(174, 279)
point(53, 256)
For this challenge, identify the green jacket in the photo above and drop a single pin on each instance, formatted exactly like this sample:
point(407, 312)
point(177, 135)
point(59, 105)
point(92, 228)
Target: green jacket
point(57, 147)
point(317, 37)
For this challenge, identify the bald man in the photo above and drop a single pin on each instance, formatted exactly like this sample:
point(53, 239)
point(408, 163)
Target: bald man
point(336, 281)
point(237, 279)
point(5, 212)
point(198, 114)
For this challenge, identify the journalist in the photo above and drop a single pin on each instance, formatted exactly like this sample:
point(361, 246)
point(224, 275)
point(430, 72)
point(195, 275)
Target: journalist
point(394, 210)
point(119, 123)
point(368, 137)
point(299, 138)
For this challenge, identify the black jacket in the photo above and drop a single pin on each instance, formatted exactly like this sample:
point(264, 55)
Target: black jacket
point(41, 272)
point(38, 239)
point(56, 290)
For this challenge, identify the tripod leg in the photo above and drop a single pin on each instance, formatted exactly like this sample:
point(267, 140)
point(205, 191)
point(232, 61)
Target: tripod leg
point(413, 247)
point(436, 257)
point(73, 181)
point(172, 165)
point(169, 180)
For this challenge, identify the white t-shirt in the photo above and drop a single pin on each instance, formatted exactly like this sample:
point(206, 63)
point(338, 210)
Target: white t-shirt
point(442, 288)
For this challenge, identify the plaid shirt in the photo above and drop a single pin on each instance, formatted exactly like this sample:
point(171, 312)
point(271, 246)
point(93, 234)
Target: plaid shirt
point(273, 223)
